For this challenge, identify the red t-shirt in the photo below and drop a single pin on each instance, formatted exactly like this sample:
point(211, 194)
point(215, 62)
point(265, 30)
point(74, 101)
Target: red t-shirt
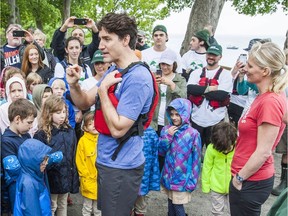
point(266, 108)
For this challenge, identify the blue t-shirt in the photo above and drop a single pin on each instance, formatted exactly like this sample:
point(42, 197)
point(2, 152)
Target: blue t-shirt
point(135, 93)
point(12, 57)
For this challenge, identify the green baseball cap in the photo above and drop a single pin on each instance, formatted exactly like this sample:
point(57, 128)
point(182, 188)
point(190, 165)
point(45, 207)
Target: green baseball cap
point(97, 57)
point(160, 28)
point(215, 49)
point(203, 35)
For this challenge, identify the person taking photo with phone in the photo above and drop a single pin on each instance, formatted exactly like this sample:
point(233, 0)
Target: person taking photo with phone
point(171, 86)
point(12, 52)
point(58, 40)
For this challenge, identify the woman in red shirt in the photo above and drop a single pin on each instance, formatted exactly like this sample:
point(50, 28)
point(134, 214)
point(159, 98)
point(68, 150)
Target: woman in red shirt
point(260, 129)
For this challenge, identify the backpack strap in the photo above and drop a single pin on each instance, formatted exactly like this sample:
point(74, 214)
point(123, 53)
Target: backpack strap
point(203, 74)
point(137, 128)
point(216, 77)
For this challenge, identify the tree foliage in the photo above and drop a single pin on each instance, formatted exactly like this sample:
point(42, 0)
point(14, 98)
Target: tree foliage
point(48, 15)
point(253, 7)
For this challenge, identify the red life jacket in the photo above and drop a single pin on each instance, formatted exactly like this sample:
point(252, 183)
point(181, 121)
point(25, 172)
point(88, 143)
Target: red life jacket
point(204, 81)
point(139, 125)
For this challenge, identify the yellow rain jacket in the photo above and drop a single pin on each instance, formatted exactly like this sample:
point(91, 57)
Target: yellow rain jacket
point(85, 161)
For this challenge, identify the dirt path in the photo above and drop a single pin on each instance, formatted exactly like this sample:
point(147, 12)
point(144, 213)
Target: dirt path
point(200, 205)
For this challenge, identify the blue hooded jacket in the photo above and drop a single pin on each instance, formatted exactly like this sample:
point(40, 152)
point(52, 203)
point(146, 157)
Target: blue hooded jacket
point(182, 151)
point(32, 195)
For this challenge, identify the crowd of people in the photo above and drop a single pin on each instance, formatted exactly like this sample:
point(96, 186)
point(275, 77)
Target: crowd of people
point(116, 119)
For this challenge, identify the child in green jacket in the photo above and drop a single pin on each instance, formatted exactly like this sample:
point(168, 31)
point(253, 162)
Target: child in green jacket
point(216, 173)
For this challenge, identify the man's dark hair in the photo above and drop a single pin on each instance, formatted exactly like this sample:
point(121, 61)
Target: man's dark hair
point(223, 137)
point(22, 107)
point(121, 25)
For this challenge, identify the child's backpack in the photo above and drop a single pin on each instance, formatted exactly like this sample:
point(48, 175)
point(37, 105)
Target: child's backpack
point(140, 124)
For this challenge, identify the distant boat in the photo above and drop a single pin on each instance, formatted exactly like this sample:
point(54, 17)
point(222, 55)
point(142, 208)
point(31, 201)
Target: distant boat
point(232, 47)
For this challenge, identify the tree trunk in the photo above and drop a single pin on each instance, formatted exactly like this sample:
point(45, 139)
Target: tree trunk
point(203, 12)
point(12, 18)
point(286, 41)
point(66, 10)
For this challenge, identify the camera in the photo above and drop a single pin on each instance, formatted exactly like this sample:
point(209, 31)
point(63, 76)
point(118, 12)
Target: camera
point(80, 21)
point(18, 33)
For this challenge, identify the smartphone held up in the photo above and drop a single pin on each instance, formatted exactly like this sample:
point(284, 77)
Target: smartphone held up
point(159, 72)
point(243, 58)
point(80, 21)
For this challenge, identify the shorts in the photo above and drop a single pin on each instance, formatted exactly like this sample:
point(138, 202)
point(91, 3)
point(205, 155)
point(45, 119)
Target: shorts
point(177, 197)
point(282, 147)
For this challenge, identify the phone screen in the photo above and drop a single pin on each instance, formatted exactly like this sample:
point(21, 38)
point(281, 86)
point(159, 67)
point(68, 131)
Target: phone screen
point(80, 21)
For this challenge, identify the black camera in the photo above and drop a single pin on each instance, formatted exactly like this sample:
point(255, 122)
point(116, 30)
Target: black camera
point(18, 33)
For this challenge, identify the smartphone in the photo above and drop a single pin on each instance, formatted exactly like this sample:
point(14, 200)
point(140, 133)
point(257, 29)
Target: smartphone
point(80, 21)
point(18, 33)
point(140, 39)
point(159, 72)
point(243, 58)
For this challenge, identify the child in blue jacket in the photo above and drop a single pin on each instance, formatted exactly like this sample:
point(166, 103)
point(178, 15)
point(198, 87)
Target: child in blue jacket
point(182, 146)
point(32, 195)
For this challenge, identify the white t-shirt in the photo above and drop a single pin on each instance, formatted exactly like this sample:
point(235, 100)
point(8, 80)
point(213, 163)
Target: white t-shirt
point(152, 58)
point(205, 115)
point(162, 108)
point(193, 60)
point(60, 72)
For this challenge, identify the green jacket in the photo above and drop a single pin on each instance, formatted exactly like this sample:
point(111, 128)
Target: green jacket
point(216, 171)
point(179, 92)
point(279, 207)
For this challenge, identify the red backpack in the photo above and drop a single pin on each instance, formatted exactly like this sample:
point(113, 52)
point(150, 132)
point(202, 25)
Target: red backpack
point(139, 125)
point(204, 81)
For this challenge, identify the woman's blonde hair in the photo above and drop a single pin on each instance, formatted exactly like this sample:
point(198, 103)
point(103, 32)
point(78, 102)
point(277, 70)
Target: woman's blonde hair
point(39, 33)
point(33, 77)
point(271, 56)
point(52, 105)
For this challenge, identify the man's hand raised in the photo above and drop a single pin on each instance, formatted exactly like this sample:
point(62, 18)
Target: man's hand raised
point(73, 74)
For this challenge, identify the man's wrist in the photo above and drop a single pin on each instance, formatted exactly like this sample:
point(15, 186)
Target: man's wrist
point(74, 85)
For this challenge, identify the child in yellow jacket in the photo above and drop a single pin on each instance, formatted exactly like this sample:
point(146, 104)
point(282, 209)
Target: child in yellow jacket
point(85, 160)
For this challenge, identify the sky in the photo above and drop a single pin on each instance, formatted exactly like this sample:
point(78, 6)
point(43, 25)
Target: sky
point(232, 23)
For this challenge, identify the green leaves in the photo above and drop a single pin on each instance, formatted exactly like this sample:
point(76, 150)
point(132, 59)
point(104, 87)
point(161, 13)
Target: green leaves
point(253, 7)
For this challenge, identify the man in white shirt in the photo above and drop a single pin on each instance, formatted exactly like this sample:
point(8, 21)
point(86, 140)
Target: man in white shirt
point(208, 89)
point(196, 57)
point(152, 55)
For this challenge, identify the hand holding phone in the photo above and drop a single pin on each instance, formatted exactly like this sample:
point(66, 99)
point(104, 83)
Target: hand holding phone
point(80, 21)
point(18, 33)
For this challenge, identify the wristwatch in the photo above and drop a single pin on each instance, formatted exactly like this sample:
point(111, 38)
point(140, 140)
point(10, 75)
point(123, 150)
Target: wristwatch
point(239, 178)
